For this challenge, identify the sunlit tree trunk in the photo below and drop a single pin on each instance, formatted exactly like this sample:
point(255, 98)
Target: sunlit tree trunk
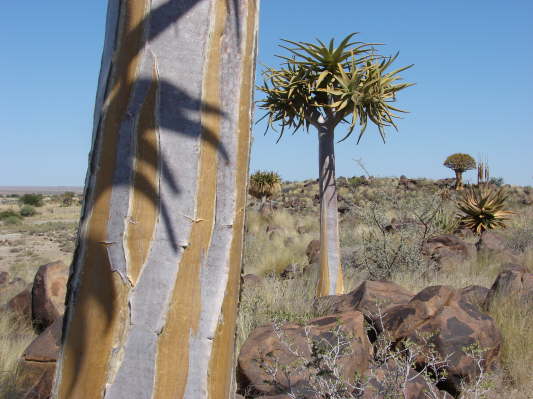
point(330, 278)
point(153, 291)
point(458, 179)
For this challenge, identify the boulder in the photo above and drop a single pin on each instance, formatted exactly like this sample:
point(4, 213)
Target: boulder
point(4, 278)
point(514, 282)
point(475, 294)
point(35, 380)
point(251, 281)
point(390, 379)
point(37, 366)
point(45, 348)
point(292, 271)
point(313, 251)
point(48, 294)
point(20, 304)
point(492, 244)
point(293, 349)
point(448, 248)
point(372, 298)
point(438, 316)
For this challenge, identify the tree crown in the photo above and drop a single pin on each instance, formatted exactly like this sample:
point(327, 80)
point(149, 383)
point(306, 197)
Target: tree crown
point(321, 83)
point(264, 184)
point(460, 162)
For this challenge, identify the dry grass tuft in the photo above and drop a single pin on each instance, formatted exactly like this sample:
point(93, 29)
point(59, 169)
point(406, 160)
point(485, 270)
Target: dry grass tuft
point(15, 336)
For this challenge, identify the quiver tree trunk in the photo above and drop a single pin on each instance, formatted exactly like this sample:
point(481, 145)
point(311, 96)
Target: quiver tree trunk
point(153, 291)
point(458, 179)
point(330, 277)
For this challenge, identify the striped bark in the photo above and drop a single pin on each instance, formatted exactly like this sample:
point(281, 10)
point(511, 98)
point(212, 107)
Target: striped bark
point(153, 291)
point(330, 279)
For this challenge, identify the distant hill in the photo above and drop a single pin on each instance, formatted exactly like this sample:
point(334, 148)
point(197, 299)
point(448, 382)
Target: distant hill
point(4, 190)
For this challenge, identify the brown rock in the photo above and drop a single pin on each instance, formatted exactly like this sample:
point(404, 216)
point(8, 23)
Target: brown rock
point(292, 271)
point(45, 348)
point(493, 244)
point(371, 298)
point(21, 303)
point(37, 366)
point(4, 277)
point(389, 378)
point(452, 325)
point(251, 281)
point(475, 294)
point(448, 248)
point(35, 379)
point(288, 347)
point(514, 282)
point(48, 294)
point(313, 251)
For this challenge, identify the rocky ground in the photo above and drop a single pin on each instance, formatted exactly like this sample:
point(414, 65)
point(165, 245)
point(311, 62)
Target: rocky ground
point(431, 310)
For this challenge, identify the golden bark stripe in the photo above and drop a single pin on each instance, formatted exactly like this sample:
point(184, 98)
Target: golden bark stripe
point(221, 364)
point(94, 323)
point(323, 282)
point(185, 306)
point(339, 289)
point(144, 203)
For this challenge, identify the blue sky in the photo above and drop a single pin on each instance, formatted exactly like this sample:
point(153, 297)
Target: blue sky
point(473, 70)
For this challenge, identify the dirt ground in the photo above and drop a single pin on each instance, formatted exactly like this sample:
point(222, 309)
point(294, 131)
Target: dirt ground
point(47, 236)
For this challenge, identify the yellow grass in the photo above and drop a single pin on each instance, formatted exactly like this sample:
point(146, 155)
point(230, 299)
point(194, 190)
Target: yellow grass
point(15, 335)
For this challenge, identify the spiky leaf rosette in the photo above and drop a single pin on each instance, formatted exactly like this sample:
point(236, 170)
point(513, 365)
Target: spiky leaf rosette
point(264, 184)
point(345, 83)
point(482, 208)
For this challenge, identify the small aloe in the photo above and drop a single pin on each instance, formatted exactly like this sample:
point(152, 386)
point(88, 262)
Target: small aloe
point(482, 208)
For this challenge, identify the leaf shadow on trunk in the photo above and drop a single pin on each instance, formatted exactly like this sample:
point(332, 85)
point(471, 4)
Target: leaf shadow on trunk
point(100, 282)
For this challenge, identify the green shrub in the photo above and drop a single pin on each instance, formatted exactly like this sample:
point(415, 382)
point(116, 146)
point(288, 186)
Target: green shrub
point(32, 199)
point(27, 210)
point(12, 220)
point(497, 181)
point(67, 198)
point(8, 214)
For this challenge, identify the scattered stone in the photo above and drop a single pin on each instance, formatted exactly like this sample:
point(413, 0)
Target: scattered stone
point(371, 298)
point(448, 248)
point(35, 379)
point(252, 281)
point(21, 304)
point(493, 244)
point(4, 278)
point(38, 363)
point(270, 346)
point(452, 326)
point(475, 294)
point(388, 376)
point(48, 294)
point(45, 348)
point(313, 251)
point(292, 271)
point(514, 282)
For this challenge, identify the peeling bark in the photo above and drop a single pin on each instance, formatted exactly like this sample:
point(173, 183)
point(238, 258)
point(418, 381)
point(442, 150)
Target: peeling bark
point(331, 279)
point(153, 291)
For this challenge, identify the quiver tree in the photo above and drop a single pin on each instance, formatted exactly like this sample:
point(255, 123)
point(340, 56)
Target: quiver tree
point(263, 185)
point(460, 163)
point(325, 86)
point(152, 295)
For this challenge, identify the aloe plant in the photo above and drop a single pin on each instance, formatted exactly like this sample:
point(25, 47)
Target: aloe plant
point(483, 208)
point(324, 86)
